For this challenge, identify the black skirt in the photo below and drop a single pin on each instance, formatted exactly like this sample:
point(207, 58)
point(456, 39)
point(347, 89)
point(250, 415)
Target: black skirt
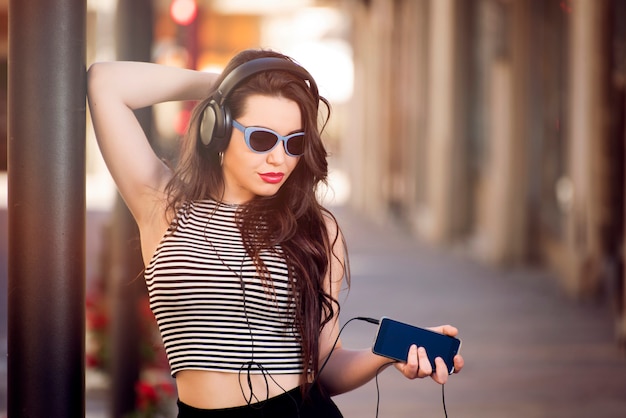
point(288, 405)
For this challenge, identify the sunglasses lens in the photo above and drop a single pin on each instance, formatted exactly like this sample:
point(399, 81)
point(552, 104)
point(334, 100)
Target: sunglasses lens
point(262, 141)
point(295, 145)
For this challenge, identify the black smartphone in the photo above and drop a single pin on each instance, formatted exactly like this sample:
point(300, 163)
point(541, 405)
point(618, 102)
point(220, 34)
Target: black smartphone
point(394, 339)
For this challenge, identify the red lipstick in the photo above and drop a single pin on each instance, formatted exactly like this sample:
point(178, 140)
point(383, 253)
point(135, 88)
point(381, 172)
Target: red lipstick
point(272, 178)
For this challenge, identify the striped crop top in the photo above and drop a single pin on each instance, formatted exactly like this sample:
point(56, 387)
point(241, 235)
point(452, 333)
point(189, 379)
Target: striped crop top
point(212, 310)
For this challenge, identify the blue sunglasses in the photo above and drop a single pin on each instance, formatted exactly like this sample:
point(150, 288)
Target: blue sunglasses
point(262, 140)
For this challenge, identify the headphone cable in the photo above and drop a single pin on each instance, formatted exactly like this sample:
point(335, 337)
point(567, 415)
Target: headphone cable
point(375, 322)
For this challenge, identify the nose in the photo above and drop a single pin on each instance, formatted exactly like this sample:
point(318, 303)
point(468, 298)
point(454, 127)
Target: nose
point(277, 155)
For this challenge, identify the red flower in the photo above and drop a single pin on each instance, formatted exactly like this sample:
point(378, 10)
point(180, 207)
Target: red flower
point(97, 320)
point(92, 360)
point(146, 395)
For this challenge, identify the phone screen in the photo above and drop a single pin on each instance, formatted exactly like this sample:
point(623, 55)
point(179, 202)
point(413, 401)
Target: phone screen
point(394, 339)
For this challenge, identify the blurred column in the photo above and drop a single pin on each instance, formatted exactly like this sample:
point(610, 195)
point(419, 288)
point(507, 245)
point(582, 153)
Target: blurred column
point(495, 218)
point(517, 203)
point(355, 142)
point(446, 132)
point(505, 206)
point(440, 135)
point(589, 159)
point(134, 21)
point(408, 159)
point(369, 132)
point(378, 137)
point(621, 331)
point(46, 205)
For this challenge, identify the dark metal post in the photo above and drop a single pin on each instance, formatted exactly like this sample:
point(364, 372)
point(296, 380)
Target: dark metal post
point(46, 206)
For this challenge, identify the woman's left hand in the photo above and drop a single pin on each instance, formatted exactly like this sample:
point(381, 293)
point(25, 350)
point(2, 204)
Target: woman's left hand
point(418, 365)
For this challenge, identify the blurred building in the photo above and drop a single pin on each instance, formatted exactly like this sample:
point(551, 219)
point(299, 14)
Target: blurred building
point(496, 127)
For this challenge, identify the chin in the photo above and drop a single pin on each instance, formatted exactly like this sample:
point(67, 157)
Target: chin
point(269, 190)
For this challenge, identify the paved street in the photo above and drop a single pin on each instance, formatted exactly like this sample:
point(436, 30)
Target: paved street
point(530, 352)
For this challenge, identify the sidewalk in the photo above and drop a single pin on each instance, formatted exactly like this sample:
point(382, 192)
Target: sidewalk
point(529, 351)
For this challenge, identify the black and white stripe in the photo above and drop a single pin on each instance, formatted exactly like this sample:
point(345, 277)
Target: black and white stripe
point(212, 309)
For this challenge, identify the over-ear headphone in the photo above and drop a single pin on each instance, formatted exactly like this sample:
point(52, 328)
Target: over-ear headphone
point(216, 123)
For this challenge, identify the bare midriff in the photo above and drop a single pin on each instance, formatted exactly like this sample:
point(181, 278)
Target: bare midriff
point(216, 390)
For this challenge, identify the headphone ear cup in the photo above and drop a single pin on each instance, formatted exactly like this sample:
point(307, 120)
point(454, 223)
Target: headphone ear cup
point(207, 124)
point(224, 130)
point(215, 127)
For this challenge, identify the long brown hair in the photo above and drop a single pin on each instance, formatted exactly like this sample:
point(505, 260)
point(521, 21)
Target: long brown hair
point(292, 219)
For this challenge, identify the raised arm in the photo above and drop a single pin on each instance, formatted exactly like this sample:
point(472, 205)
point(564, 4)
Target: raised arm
point(115, 89)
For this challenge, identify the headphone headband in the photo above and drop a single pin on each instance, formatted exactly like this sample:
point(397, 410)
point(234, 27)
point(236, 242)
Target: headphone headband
point(216, 120)
point(260, 65)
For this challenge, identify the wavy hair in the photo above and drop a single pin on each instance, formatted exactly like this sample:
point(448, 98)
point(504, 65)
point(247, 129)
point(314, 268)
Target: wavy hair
point(292, 219)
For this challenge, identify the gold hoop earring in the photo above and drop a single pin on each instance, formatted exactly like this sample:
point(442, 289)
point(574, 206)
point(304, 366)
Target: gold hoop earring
point(221, 156)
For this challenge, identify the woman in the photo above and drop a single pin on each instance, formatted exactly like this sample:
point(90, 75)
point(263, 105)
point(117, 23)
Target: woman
point(243, 265)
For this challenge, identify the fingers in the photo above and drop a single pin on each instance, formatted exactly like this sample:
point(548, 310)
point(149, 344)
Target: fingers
point(417, 364)
point(441, 371)
point(458, 363)
point(448, 330)
point(425, 369)
point(411, 368)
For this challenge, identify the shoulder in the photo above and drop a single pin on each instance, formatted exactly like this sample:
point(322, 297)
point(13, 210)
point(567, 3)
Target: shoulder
point(337, 252)
point(337, 246)
point(332, 225)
